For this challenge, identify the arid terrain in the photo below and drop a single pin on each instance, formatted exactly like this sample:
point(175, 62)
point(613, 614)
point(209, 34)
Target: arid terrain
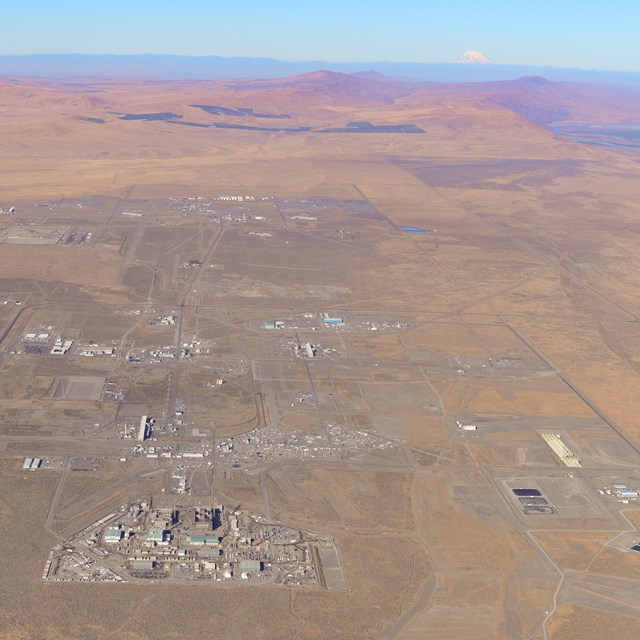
point(396, 322)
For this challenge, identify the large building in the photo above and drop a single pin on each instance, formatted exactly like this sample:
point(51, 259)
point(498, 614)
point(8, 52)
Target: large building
point(155, 535)
point(249, 566)
point(200, 539)
point(203, 518)
point(112, 534)
point(143, 431)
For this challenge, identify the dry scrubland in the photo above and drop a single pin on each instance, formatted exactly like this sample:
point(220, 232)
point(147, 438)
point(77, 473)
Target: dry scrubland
point(519, 315)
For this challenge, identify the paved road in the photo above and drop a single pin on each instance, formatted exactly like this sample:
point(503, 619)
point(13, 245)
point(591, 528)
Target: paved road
point(173, 391)
point(55, 499)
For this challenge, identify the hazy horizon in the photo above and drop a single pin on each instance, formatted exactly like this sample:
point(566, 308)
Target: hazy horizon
point(570, 35)
point(309, 61)
point(177, 67)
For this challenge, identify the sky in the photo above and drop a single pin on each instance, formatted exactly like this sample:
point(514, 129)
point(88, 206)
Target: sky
point(587, 34)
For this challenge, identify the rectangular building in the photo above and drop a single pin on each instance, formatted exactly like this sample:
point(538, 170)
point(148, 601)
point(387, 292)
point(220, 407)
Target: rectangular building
point(112, 535)
point(143, 431)
point(156, 535)
point(250, 566)
point(200, 539)
point(203, 518)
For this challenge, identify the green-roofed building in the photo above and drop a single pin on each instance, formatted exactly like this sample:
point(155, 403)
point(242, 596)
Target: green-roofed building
point(201, 539)
point(155, 534)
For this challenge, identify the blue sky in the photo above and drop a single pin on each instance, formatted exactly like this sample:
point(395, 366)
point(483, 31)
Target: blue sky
point(569, 33)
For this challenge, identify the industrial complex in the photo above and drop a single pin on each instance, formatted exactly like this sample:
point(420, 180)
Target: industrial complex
point(185, 544)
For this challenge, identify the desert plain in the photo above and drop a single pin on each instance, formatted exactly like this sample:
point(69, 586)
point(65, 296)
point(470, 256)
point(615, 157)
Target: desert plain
point(358, 308)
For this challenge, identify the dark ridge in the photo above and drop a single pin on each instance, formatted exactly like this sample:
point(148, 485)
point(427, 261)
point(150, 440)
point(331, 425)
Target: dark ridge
point(276, 116)
point(167, 115)
point(352, 127)
point(537, 113)
point(367, 127)
point(224, 125)
point(218, 111)
point(187, 123)
point(239, 112)
point(536, 81)
point(96, 120)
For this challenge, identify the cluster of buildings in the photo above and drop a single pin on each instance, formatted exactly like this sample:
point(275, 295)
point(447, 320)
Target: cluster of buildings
point(187, 543)
point(237, 198)
point(165, 321)
point(307, 350)
point(274, 324)
point(206, 204)
point(41, 336)
point(238, 218)
point(61, 346)
point(466, 426)
point(188, 349)
point(622, 492)
point(332, 321)
point(312, 350)
point(280, 443)
point(43, 341)
point(97, 350)
point(32, 463)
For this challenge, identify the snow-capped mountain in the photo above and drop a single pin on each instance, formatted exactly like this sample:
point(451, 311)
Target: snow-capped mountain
point(473, 57)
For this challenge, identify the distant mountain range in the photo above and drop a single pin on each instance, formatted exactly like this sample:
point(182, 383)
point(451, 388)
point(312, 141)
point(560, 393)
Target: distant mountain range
point(323, 101)
point(171, 67)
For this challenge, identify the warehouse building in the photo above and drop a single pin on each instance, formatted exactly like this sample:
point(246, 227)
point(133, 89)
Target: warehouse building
point(113, 534)
point(200, 539)
point(155, 535)
point(249, 566)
